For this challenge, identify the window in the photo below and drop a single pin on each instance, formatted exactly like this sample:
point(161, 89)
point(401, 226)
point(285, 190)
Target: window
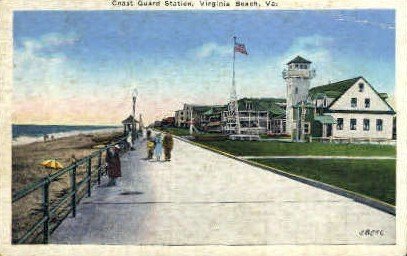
point(296, 65)
point(379, 124)
point(296, 90)
point(339, 123)
point(366, 124)
point(354, 102)
point(306, 128)
point(361, 87)
point(324, 102)
point(367, 103)
point(249, 106)
point(353, 124)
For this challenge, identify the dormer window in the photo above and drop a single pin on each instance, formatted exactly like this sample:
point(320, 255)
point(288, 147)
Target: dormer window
point(361, 87)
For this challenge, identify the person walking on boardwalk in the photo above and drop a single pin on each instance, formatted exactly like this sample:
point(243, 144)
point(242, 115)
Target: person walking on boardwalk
point(130, 141)
point(113, 165)
point(168, 144)
point(148, 134)
point(158, 146)
point(150, 148)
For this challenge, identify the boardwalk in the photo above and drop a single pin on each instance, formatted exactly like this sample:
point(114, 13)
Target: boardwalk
point(202, 198)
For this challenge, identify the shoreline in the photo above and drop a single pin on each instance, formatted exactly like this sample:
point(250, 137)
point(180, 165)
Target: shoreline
point(26, 140)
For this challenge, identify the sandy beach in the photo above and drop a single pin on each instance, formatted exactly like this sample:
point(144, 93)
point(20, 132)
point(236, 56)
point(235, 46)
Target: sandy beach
point(26, 158)
point(26, 169)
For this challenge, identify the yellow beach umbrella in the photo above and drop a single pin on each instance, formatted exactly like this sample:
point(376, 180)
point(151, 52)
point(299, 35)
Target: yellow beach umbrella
point(54, 164)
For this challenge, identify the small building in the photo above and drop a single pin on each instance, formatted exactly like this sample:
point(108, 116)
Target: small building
point(129, 124)
point(168, 121)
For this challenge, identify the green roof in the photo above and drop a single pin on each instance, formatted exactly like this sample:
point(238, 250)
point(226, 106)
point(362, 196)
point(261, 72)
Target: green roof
point(333, 90)
point(299, 59)
point(209, 112)
point(325, 119)
point(201, 108)
point(215, 110)
point(264, 104)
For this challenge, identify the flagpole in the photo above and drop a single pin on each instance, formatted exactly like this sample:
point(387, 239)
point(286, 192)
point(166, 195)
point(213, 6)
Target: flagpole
point(234, 94)
point(233, 74)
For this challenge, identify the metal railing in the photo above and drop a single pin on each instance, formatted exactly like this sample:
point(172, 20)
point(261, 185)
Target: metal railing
point(67, 202)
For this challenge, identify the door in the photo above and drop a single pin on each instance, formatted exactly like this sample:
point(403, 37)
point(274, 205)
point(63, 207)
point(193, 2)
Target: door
point(328, 130)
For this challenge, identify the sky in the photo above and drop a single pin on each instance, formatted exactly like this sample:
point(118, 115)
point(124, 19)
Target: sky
point(80, 67)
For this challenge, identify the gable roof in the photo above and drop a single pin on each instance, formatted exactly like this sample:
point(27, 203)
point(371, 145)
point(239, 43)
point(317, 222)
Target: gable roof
point(299, 59)
point(333, 90)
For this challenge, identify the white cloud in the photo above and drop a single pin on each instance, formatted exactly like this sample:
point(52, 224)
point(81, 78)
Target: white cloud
point(212, 49)
point(34, 72)
point(353, 18)
point(56, 39)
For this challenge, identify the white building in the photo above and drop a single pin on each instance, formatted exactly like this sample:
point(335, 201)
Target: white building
point(352, 109)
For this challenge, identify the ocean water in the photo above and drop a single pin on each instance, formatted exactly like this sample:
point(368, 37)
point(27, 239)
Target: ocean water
point(24, 134)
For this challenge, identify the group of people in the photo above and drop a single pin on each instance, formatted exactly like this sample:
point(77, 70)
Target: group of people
point(47, 137)
point(156, 144)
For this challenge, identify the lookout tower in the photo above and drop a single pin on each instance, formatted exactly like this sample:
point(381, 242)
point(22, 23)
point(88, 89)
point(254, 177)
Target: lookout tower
point(297, 76)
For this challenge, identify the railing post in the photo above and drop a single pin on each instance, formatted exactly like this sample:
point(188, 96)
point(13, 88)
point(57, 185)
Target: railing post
point(89, 172)
point(99, 166)
point(45, 207)
point(73, 190)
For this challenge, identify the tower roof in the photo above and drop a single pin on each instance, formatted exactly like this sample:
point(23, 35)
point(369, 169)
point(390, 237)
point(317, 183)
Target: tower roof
point(299, 59)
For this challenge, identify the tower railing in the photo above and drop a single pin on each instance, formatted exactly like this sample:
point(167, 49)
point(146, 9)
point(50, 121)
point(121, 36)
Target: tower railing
point(305, 73)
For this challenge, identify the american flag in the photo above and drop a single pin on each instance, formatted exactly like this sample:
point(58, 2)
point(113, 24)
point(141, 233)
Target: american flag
point(241, 48)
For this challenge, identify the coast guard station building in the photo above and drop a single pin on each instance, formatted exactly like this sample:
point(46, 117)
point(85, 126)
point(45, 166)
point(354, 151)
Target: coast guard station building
point(348, 109)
